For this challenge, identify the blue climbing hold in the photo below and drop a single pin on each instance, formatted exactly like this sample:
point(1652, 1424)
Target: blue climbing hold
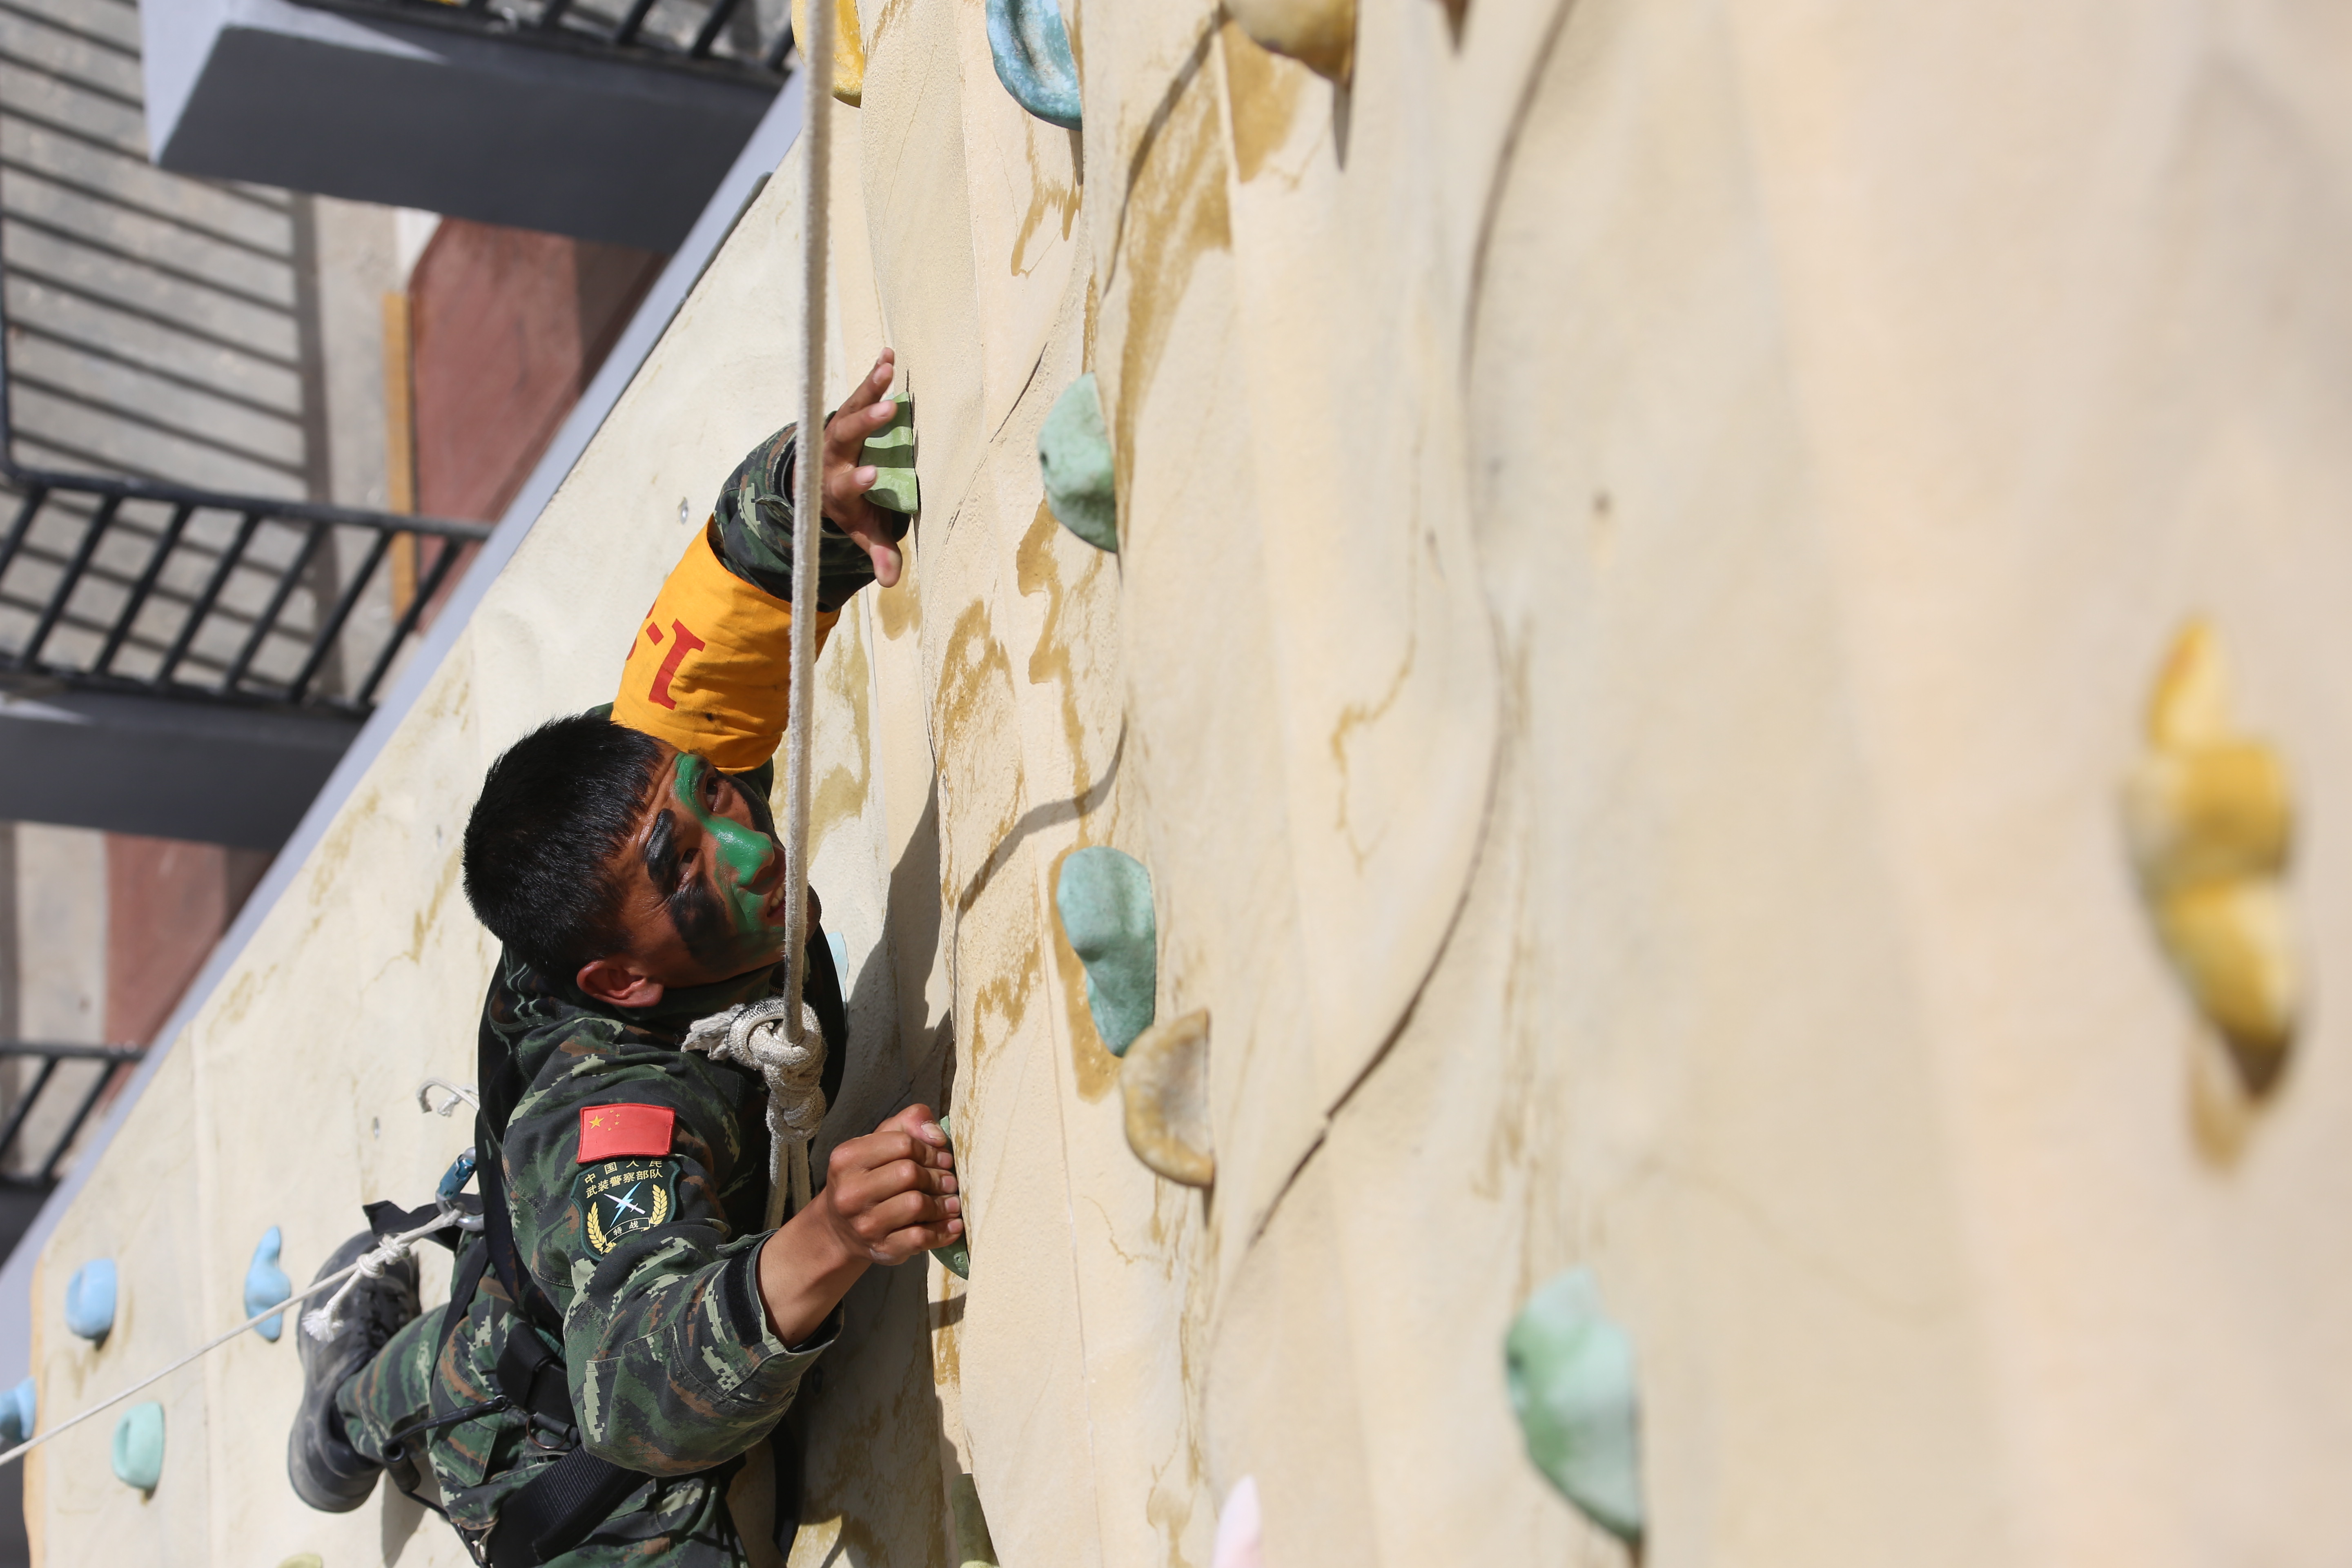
point(1074, 456)
point(1570, 1372)
point(1031, 51)
point(454, 1179)
point(139, 1446)
point(840, 946)
point(266, 1284)
point(18, 1407)
point(1104, 897)
point(91, 1298)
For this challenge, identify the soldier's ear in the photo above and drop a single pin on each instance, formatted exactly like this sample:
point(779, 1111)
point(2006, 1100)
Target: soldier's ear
point(617, 982)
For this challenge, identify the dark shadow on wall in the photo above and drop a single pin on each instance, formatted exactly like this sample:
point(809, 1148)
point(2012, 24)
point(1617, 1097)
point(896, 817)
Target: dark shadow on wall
point(1038, 818)
point(871, 1410)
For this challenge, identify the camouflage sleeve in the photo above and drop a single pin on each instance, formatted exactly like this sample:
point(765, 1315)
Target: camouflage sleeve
point(754, 518)
point(672, 1362)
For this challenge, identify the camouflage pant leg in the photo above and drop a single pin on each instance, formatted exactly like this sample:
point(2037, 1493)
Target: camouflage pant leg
point(393, 1390)
point(681, 1522)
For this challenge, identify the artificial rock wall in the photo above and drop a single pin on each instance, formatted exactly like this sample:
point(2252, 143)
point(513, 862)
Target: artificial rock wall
point(1647, 532)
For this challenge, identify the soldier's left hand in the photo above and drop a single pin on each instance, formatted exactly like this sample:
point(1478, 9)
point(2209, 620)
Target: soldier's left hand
point(892, 1194)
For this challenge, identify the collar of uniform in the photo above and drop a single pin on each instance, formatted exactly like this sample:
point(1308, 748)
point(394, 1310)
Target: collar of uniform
point(668, 1018)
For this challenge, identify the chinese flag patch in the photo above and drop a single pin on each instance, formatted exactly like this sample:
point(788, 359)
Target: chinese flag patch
point(618, 1132)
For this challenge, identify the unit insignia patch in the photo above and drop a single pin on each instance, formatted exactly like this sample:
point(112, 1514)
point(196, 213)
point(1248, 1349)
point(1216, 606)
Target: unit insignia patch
point(618, 1198)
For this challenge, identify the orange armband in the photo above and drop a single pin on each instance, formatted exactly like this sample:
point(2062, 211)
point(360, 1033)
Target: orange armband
point(710, 671)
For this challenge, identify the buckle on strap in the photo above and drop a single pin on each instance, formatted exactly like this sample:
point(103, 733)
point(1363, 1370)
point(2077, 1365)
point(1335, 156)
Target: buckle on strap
point(533, 1379)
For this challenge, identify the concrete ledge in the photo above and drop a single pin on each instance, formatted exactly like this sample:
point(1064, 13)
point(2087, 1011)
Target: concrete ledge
point(475, 126)
point(215, 772)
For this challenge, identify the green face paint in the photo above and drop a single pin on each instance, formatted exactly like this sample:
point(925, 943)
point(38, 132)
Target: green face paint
point(740, 857)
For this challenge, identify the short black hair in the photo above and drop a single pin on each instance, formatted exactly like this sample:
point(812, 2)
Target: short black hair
point(554, 810)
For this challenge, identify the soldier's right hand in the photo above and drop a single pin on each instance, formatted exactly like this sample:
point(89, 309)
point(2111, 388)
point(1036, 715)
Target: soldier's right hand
point(892, 1194)
point(847, 477)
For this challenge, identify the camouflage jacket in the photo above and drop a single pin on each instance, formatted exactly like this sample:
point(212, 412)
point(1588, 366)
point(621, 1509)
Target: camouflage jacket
point(753, 521)
point(648, 1262)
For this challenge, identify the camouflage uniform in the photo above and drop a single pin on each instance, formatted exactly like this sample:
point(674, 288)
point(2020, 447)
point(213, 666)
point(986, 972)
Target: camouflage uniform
point(652, 1263)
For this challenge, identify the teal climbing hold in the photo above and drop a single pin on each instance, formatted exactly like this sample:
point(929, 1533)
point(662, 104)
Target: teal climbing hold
point(891, 450)
point(139, 1446)
point(1570, 1372)
point(91, 1299)
point(1074, 453)
point(1032, 51)
point(956, 1255)
point(18, 1407)
point(1104, 897)
point(266, 1284)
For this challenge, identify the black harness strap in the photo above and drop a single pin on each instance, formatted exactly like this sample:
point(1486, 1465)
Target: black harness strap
point(497, 1231)
point(462, 1286)
point(554, 1512)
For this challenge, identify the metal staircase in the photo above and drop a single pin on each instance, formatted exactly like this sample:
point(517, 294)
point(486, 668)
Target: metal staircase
point(188, 640)
point(739, 37)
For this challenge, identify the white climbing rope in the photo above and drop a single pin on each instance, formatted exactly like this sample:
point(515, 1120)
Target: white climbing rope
point(342, 1276)
point(817, 141)
point(753, 1036)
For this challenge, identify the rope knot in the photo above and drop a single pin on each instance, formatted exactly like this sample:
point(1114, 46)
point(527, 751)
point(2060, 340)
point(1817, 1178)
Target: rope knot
point(753, 1036)
point(319, 1322)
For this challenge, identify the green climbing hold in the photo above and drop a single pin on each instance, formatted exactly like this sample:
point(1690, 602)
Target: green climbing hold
point(956, 1255)
point(1031, 51)
point(1073, 452)
point(1570, 1372)
point(139, 1446)
point(1104, 900)
point(973, 1548)
point(891, 450)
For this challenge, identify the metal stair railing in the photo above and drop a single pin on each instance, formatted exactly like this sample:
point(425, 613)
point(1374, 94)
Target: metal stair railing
point(146, 578)
point(111, 1060)
point(686, 34)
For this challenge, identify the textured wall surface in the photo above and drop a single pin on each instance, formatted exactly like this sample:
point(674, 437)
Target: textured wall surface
point(1647, 533)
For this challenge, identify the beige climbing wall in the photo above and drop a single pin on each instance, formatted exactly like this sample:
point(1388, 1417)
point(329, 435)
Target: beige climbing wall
point(1647, 532)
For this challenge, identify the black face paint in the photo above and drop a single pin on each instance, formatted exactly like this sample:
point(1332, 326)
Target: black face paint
point(691, 907)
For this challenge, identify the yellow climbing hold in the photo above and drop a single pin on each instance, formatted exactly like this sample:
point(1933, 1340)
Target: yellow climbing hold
point(1163, 1083)
point(1319, 34)
point(2209, 815)
point(848, 49)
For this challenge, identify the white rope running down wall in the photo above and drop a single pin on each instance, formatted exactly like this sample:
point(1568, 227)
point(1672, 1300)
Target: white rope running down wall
point(817, 141)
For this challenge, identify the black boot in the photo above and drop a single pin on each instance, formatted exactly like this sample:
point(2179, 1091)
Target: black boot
point(327, 1473)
